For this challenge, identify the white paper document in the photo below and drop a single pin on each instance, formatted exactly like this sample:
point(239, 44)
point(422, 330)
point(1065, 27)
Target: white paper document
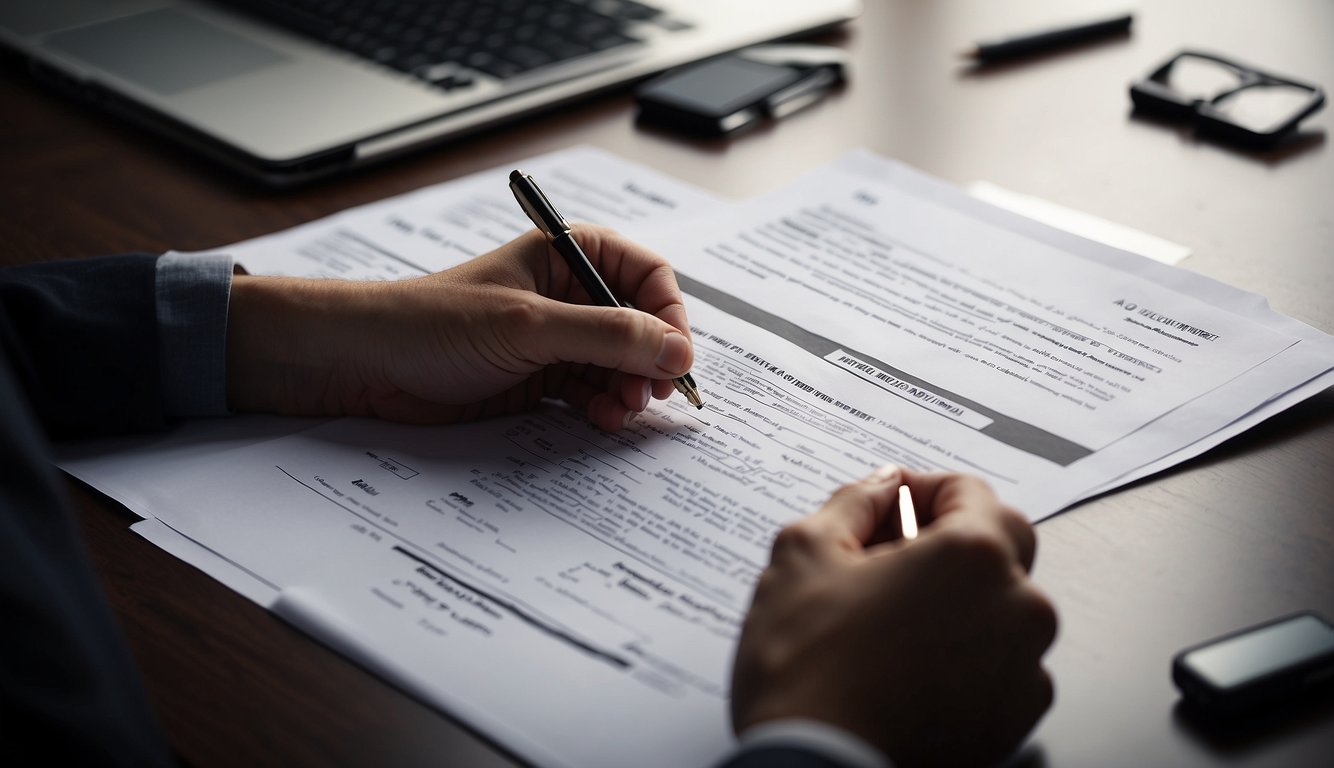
point(1090, 358)
point(442, 226)
point(577, 594)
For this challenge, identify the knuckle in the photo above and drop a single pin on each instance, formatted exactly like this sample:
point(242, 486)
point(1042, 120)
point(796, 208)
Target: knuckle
point(769, 656)
point(658, 263)
point(795, 537)
point(584, 229)
point(607, 237)
point(972, 484)
point(1011, 516)
point(1021, 530)
point(1045, 693)
point(975, 548)
point(522, 313)
point(1030, 695)
point(851, 493)
point(1014, 520)
point(1041, 616)
point(625, 326)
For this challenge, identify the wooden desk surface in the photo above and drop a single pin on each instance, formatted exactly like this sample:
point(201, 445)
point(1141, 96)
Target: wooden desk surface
point(1242, 534)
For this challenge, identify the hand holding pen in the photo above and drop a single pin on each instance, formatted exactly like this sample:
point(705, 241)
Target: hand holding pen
point(547, 219)
point(906, 642)
point(495, 335)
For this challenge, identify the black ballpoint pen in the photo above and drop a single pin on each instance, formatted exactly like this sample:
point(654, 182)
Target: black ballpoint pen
point(557, 230)
point(1033, 42)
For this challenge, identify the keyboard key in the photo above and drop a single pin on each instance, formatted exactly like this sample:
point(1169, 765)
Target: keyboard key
point(440, 41)
point(611, 41)
point(492, 65)
point(527, 56)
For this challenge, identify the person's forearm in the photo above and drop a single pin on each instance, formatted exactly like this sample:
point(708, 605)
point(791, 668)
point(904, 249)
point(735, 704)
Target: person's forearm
point(283, 343)
point(495, 335)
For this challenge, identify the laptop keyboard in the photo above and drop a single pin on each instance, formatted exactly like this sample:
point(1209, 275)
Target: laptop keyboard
point(447, 41)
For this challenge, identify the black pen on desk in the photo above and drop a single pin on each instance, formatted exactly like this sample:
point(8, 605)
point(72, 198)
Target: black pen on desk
point(557, 230)
point(1032, 42)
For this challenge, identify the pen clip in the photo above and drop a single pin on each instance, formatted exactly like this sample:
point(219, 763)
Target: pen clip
point(536, 205)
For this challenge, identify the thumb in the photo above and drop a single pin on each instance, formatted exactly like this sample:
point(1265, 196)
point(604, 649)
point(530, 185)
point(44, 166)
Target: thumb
point(856, 513)
point(845, 525)
point(617, 338)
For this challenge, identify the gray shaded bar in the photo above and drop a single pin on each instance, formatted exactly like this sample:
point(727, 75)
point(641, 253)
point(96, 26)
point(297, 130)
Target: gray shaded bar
point(1008, 430)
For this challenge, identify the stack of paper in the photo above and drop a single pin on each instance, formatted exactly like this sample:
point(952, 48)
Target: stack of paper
point(576, 594)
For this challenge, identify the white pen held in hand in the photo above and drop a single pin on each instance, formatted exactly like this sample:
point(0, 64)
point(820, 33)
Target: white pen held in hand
point(907, 513)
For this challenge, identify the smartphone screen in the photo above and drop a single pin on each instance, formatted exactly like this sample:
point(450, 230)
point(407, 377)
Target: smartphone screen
point(715, 97)
point(1286, 655)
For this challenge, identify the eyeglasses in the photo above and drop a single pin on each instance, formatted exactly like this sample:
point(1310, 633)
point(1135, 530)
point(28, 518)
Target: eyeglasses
point(1231, 100)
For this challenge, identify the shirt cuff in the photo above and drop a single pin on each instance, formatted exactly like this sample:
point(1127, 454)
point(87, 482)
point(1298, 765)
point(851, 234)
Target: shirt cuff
point(814, 736)
point(192, 296)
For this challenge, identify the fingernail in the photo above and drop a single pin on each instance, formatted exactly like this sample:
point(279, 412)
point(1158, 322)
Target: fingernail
point(885, 474)
point(675, 350)
point(645, 395)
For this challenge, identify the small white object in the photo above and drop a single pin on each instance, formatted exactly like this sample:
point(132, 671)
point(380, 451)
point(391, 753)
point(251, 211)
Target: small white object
point(907, 513)
point(1080, 223)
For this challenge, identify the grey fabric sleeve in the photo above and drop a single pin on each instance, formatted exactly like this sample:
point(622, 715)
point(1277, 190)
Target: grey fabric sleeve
point(192, 296)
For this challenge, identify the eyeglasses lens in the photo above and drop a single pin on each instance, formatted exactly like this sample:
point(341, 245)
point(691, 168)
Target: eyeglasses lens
point(1196, 78)
point(1263, 108)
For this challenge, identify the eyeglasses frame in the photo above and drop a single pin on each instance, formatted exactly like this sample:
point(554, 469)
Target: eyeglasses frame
point(1153, 95)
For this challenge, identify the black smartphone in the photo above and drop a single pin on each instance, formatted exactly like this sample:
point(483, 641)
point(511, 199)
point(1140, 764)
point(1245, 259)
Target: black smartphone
point(1257, 665)
point(729, 93)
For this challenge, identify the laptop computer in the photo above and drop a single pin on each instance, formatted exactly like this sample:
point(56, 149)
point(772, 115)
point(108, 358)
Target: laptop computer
point(290, 90)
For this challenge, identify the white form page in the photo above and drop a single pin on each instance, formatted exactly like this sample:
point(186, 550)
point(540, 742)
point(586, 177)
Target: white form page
point(577, 594)
point(1014, 336)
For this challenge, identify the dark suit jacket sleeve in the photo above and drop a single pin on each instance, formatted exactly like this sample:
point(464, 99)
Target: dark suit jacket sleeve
point(69, 690)
point(780, 757)
point(82, 338)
